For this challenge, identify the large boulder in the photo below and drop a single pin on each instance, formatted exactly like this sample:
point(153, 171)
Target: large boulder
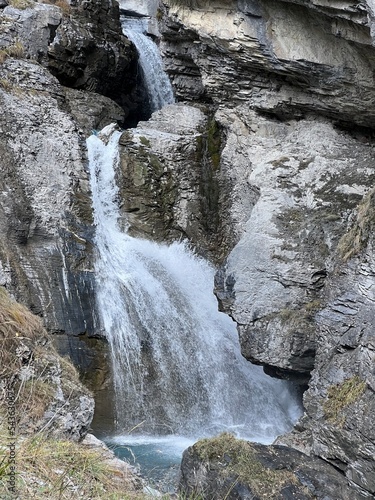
point(224, 467)
point(168, 180)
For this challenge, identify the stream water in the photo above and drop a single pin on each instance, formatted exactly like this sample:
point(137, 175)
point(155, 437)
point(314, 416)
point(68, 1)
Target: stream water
point(177, 368)
point(158, 86)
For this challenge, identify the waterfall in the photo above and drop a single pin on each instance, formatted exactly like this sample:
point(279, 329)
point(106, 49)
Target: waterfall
point(177, 364)
point(158, 86)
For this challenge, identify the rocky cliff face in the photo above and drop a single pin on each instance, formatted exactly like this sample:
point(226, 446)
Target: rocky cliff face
point(285, 58)
point(45, 214)
point(289, 88)
point(45, 202)
point(267, 167)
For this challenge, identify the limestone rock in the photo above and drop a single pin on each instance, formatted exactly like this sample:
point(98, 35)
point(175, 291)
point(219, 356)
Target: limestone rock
point(292, 187)
point(89, 51)
point(83, 45)
point(45, 214)
point(340, 401)
point(240, 470)
point(168, 179)
point(122, 470)
point(283, 57)
point(33, 28)
point(92, 111)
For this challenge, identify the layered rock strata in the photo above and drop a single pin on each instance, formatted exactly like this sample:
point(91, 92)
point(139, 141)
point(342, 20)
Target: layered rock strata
point(45, 201)
point(285, 58)
point(168, 182)
point(290, 84)
point(46, 214)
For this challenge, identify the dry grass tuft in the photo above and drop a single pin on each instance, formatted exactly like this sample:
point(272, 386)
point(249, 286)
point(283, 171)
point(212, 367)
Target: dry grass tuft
point(341, 396)
point(355, 240)
point(16, 50)
point(22, 4)
point(19, 331)
point(242, 463)
point(64, 5)
point(62, 469)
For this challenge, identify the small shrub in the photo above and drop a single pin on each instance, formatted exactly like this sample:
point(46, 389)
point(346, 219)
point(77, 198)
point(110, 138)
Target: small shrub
point(21, 4)
point(340, 396)
point(16, 50)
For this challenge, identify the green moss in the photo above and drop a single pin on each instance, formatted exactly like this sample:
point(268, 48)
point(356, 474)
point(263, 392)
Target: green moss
point(208, 155)
point(356, 239)
point(145, 141)
point(82, 206)
point(156, 164)
point(340, 396)
point(242, 463)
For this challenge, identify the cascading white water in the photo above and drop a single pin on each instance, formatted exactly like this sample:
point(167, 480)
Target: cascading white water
point(158, 86)
point(176, 360)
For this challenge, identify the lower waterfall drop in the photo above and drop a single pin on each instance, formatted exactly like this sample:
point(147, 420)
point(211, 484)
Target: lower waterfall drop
point(177, 365)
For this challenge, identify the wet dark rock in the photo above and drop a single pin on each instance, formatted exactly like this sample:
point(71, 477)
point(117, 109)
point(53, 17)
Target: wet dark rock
point(223, 467)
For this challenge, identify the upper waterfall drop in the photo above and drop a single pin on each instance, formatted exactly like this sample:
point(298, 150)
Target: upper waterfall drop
point(158, 86)
point(177, 364)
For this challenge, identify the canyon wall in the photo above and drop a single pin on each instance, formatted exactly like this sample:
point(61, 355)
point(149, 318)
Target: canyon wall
point(292, 87)
point(46, 214)
point(266, 165)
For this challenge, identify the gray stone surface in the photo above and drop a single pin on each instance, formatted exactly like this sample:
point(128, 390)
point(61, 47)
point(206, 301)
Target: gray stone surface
point(283, 57)
point(307, 176)
point(168, 178)
point(276, 472)
point(45, 201)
